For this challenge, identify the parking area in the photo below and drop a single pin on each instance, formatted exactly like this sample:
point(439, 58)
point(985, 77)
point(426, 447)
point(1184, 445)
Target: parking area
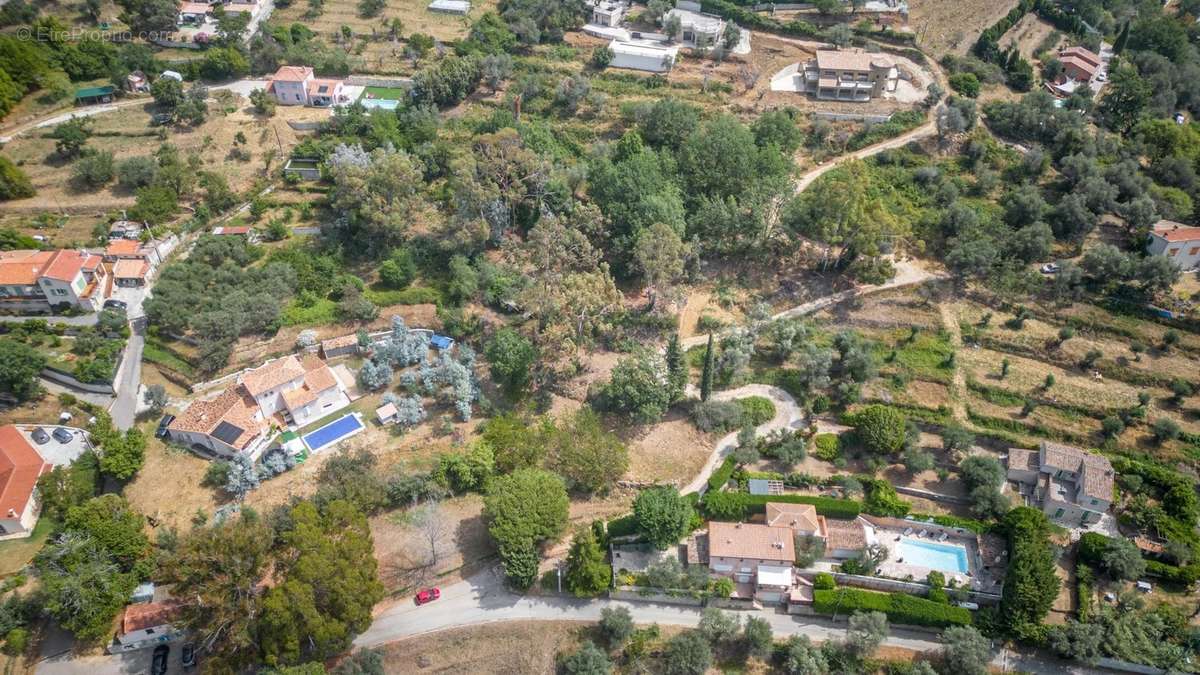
point(56, 448)
point(132, 296)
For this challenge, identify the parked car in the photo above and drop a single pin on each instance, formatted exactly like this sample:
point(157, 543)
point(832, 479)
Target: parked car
point(187, 656)
point(1051, 268)
point(40, 436)
point(161, 431)
point(158, 664)
point(428, 595)
point(62, 435)
point(115, 304)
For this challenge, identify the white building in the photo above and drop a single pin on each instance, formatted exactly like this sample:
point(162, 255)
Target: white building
point(696, 29)
point(296, 85)
point(1180, 243)
point(450, 6)
point(608, 13)
point(41, 281)
point(284, 392)
point(642, 56)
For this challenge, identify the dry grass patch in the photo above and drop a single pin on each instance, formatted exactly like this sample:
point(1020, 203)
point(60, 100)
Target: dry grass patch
point(167, 488)
point(506, 647)
point(127, 133)
point(413, 13)
point(952, 26)
point(1027, 376)
point(1027, 35)
point(673, 450)
point(441, 543)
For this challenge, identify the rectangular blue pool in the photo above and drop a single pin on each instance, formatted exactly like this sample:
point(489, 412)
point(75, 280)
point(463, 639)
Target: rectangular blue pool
point(337, 430)
point(935, 556)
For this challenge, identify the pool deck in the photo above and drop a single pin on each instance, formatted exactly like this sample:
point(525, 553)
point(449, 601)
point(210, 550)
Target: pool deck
point(890, 531)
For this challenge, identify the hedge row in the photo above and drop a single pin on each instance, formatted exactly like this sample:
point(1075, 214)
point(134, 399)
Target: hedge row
point(623, 526)
point(740, 505)
point(1172, 574)
point(721, 476)
point(899, 607)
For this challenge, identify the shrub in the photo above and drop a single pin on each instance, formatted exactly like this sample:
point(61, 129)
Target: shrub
point(716, 415)
point(756, 410)
point(14, 184)
point(827, 447)
point(823, 581)
point(882, 499)
point(94, 170)
point(742, 504)
point(879, 427)
point(899, 607)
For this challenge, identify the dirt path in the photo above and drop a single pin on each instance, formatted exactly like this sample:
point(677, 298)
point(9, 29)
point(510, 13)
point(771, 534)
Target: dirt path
point(958, 385)
point(908, 273)
point(788, 415)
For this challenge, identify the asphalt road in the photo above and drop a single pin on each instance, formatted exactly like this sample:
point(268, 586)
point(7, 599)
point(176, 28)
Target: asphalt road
point(483, 599)
point(124, 408)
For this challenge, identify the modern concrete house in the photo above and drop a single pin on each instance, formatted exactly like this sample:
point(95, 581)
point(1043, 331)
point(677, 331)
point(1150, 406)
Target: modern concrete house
point(641, 56)
point(609, 13)
point(1180, 243)
point(696, 29)
point(849, 75)
point(1073, 487)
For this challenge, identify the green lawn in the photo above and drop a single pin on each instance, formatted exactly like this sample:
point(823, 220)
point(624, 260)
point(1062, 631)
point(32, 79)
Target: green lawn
point(392, 93)
point(16, 553)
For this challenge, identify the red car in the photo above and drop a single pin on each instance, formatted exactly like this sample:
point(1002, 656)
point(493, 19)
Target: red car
point(428, 595)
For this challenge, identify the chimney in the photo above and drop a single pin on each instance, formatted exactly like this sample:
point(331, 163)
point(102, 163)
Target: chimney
point(12, 513)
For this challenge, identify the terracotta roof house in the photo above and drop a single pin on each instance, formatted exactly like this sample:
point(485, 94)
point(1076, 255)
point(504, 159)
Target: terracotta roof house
point(229, 424)
point(342, 345)
point(146, 624)
point(1080, 67)
point(759, 558)
point(1180, 243)
point(20, 467)
point(801, 518)
point(1072, 486)
point(130, 272)
point(42, 281)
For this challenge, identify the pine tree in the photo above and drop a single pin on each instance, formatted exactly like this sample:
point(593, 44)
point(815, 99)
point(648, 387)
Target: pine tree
point(706, 378)
point(1119, 45)
point(587, 574)
point(677, 375)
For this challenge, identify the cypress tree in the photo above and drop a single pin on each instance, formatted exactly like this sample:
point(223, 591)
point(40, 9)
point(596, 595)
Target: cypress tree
point(677, 375)
point(1119, 45)
point(707, 376)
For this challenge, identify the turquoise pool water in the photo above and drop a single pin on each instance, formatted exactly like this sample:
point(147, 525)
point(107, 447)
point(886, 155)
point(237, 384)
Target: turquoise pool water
point(935, 556)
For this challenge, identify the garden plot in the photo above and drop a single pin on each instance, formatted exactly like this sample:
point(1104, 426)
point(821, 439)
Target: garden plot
point(1027, 377)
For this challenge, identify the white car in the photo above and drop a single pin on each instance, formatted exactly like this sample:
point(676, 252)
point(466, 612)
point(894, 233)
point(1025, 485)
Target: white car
point(1051, 268)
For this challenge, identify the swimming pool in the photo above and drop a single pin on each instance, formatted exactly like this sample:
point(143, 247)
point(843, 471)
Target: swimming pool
point(935, 556)
point(337, 430)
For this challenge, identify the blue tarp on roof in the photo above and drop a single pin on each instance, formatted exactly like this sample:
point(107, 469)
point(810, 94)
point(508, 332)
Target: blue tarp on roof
point(441, 342)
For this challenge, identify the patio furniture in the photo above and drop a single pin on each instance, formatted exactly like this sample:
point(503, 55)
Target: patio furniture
point(923, 533)
point(908, 531)
point(943, 536)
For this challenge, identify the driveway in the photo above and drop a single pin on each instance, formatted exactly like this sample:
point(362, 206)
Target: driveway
point(110, 664)
point(129, 378)
point(54, 452)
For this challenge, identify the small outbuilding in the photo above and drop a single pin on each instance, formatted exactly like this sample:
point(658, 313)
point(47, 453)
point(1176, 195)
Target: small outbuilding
point(450, 6)
point(386, 413)
point(647, 57)
point(343, 345)
point(441, 342)
point(93, 95)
